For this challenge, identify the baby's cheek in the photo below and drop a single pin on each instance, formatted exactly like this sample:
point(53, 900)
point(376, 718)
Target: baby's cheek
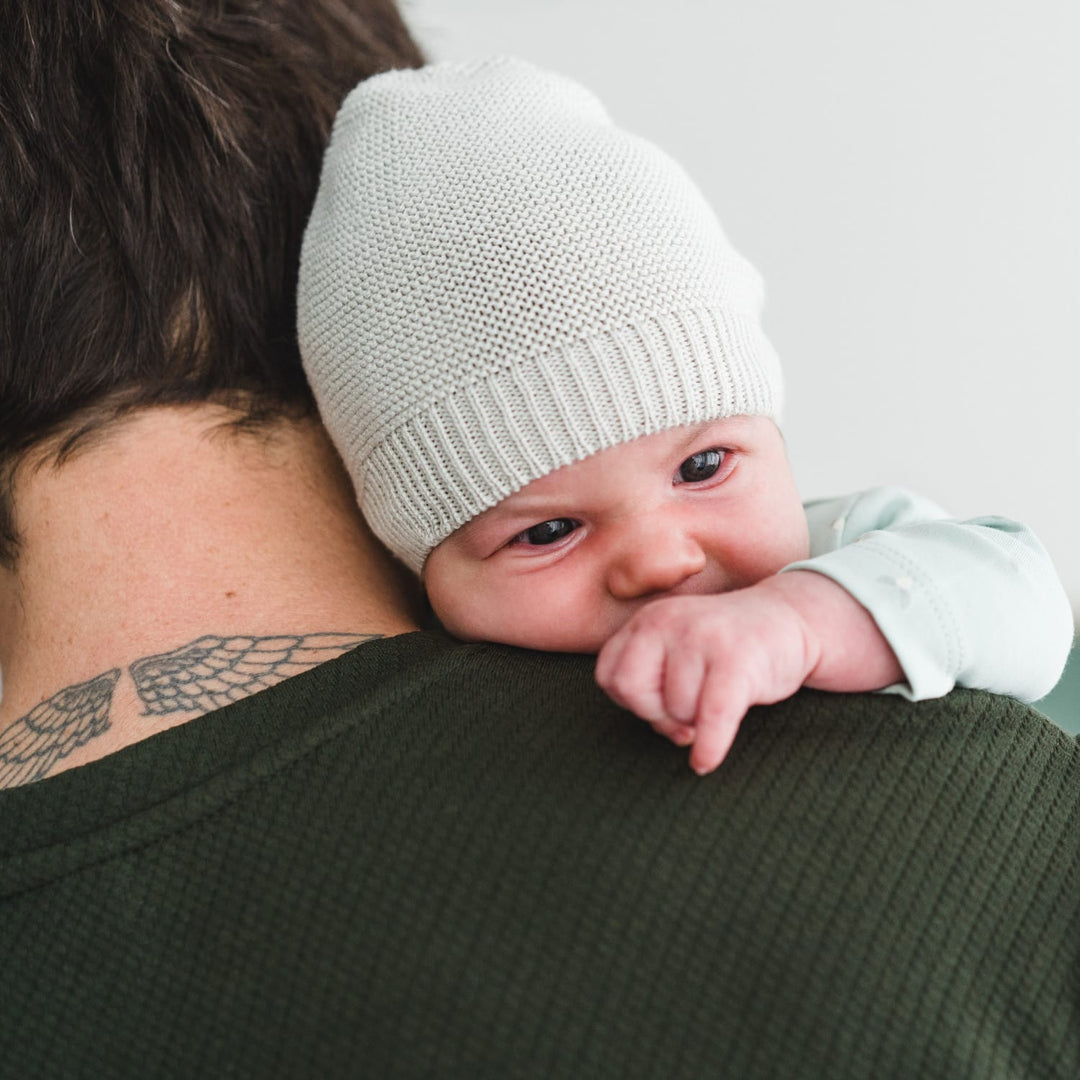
point(790, 533)
point(554, 619)
point(475, 609)
point(563, 609)
point(452, 594)
point(783, 541)
point(793, 544)
point(456, 618)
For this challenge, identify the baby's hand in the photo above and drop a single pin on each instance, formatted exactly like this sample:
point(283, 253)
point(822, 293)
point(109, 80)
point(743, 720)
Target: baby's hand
point(692, 665)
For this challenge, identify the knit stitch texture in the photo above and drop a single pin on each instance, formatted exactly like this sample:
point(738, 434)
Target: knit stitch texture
point(497, 281)
point(429, 859)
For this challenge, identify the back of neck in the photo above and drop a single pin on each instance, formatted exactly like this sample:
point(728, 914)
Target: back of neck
point(175, 544)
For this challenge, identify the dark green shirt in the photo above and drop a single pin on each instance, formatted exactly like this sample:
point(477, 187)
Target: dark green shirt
point(428, 859)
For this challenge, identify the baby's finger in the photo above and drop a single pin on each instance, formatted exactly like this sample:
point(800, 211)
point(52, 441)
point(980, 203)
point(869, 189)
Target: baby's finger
point(722, 706)
point(684, 674)
point(713, 739)
point(608, 657)
point(682, 735)
point(635, 680)
point(679, 734)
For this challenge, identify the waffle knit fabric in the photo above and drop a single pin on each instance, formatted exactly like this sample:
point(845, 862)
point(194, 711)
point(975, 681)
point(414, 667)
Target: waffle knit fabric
point(497, 281)
point(430, 859)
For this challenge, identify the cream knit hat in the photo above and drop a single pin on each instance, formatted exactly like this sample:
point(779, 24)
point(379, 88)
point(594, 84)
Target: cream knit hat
point(496, 281)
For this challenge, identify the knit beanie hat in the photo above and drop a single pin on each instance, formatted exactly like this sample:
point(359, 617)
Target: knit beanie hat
point(496, 281)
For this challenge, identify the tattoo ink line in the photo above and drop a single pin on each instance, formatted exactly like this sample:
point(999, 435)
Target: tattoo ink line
point(201, 676)
point(213, 672)
point(55, 728)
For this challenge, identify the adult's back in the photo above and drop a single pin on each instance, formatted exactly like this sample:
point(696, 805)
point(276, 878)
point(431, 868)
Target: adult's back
point(434, 859)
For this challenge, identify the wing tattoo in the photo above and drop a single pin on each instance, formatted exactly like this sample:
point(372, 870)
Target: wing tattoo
point(212, 672)
point(56, 727)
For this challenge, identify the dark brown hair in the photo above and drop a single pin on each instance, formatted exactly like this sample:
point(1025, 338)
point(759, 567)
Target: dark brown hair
point(158, 160)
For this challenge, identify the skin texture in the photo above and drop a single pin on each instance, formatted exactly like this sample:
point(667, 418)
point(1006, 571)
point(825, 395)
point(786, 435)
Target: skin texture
point(174, 565)
point(671, 579)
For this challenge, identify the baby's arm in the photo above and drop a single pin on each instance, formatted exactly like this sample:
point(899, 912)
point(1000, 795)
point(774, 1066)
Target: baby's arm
point(917, 608)
point(962, 603)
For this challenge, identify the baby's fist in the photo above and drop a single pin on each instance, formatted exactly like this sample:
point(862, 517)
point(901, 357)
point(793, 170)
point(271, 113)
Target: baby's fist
point(693, 665)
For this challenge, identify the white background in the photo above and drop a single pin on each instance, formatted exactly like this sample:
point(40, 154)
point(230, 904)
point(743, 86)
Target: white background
point(907, 177)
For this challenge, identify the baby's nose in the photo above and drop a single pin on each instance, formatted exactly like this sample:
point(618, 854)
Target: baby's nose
point(653, 560)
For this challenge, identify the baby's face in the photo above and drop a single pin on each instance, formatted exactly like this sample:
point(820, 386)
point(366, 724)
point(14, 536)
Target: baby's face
point(565, 561)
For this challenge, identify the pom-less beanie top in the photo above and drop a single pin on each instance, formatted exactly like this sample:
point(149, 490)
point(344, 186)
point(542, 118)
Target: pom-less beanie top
point(497, 281)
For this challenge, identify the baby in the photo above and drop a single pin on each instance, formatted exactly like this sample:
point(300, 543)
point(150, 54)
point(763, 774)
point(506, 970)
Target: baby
point(542, 363)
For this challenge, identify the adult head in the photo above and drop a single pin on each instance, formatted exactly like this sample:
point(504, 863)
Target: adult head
point(159, 160)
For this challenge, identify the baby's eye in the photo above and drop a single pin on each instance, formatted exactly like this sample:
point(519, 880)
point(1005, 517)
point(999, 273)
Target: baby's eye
point(700, 466)
point(547, 532)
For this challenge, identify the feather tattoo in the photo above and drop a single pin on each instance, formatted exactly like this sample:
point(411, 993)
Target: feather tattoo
point(212, 672)
point(56, 727)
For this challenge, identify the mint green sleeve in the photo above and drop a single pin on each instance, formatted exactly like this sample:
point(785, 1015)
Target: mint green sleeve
point(962, 603)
